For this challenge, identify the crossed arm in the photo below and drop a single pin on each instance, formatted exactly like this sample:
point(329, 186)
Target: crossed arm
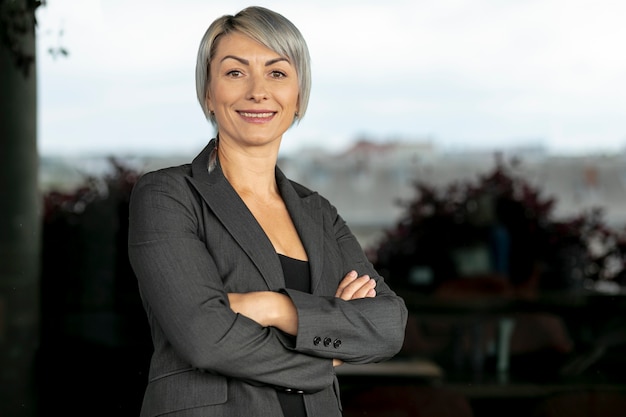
point(277, 310)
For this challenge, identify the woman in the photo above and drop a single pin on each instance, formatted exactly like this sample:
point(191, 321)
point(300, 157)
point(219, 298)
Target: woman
point(254, 287)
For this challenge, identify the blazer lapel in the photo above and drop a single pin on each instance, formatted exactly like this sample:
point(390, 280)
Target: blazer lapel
point(307, 217)
point(232, 212)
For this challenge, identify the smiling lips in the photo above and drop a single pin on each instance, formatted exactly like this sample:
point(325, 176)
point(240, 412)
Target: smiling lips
point(257, 116)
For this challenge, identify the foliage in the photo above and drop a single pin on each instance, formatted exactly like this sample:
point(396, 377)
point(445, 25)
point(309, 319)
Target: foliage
point(85, 267)
point(115, 185)
point(439, 221)
point(17, 19)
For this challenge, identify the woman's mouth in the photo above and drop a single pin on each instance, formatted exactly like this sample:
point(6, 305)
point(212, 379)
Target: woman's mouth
point(257, 117)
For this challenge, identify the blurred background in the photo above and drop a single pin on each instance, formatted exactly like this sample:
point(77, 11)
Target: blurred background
point(477, 150)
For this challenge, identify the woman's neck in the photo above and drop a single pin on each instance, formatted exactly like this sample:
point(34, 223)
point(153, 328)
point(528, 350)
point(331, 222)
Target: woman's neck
point(249, 171)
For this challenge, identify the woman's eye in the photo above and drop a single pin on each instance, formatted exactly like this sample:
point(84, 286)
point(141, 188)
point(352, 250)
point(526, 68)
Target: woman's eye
point(234, 73)
point(278, 74)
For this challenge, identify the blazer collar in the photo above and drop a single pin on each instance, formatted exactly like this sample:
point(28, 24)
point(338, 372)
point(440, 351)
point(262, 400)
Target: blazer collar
point(232, 212)
point(305, 211)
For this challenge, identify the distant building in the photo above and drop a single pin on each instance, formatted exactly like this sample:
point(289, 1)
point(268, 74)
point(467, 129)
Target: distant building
point(368, 182)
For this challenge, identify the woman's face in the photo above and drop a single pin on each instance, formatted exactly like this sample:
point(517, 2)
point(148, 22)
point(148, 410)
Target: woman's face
point(253, 91)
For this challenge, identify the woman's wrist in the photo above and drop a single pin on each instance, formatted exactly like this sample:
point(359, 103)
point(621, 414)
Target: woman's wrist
point(267, 308)
point(282, 313)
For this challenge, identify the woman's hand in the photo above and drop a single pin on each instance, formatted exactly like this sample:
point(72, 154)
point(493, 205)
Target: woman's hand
point(266, 308)
point(353, 287)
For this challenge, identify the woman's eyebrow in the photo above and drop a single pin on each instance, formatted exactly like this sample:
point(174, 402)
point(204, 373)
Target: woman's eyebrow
point(246, 62)
point(275, 60)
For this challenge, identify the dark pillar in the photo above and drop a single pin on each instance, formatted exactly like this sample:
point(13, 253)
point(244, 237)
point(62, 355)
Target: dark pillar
point(19, 210)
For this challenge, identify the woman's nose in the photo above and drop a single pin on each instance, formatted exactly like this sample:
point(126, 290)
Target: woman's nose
point(257, 89)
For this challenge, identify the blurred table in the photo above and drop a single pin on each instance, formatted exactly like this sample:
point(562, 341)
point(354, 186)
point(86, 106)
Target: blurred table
point(414, 368)
point(559, 302)
point(580, 306)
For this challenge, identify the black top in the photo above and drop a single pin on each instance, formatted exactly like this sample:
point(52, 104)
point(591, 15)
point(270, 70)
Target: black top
point(296, 272)
point(297, 277)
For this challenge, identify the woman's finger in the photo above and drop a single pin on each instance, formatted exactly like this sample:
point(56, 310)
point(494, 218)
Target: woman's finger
point(349, 278)
point(358, 288)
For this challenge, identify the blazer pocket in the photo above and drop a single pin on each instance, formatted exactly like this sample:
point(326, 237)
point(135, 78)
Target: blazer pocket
point(182, 391)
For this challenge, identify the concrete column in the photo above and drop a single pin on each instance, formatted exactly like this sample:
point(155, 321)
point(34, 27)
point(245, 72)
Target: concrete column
point(20, 204)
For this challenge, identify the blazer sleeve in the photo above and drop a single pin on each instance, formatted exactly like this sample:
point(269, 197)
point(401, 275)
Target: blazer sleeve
point(186, 301)
point(357, 331)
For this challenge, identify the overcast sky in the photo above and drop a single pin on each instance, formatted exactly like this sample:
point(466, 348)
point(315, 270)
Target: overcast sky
point(461, 73)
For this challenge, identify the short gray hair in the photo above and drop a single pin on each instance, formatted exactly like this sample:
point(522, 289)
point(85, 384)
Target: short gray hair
point(269, 28)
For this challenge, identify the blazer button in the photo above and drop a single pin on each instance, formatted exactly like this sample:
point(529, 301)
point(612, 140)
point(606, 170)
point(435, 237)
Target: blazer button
point(317, 340)
point(327, 341)
point(336, 343)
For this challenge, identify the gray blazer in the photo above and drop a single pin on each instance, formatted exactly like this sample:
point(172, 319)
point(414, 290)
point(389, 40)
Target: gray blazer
point(191, 241)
